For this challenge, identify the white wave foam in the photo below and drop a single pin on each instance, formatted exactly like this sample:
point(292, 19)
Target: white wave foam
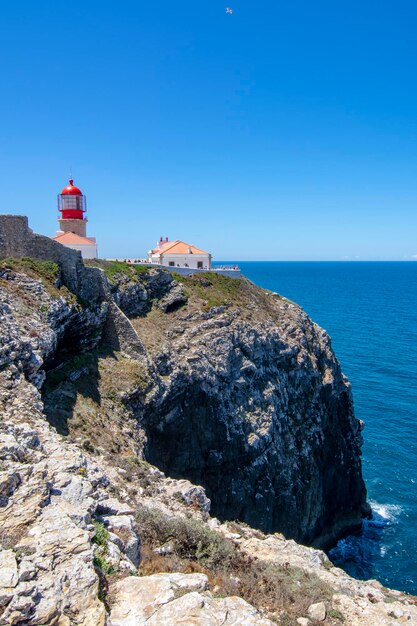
point(389, 512)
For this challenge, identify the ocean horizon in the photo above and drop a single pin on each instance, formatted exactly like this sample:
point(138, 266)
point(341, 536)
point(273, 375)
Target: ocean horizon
point(369, 309)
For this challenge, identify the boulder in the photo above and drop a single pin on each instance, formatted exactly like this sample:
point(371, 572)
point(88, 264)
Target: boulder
point(136, 599)
point(8, 569)
point(317, 611)
point(168, 599)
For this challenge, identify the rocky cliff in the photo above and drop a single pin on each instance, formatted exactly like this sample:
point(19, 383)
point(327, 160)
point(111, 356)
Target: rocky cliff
point(248, 400)
point(234, 394)
point(256, 409)
point(236, 389)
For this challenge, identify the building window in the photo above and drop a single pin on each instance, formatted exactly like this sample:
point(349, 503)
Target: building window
point(171, 264)
point(200, 265)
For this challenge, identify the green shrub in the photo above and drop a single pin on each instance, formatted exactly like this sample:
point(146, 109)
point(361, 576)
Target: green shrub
point(282, 592)
point(101, 536)
point(101, 539)
point(335, 614)
point(101, 562)
point(46, 270)
point(213, 289)
point(190, 538)
point(113, 268)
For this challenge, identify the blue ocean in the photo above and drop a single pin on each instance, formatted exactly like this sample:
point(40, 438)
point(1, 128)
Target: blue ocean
point(370, 311)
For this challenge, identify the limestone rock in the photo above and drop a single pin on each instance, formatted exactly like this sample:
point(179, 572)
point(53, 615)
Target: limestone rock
point(167, 599)
point(111, 506)
point(203, 609)
point(137, 598)
point(249, 405)
point(190, 494)
point(133, 294)
point(8, 569)
point(240, 400)
point(360, 603)
point(317, 611)
point(124, 527)
point(173, 299)
point(48, 495)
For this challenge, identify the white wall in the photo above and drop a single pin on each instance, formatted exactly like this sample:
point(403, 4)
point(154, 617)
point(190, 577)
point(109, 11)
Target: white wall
point(88, 251)
point(182, 260)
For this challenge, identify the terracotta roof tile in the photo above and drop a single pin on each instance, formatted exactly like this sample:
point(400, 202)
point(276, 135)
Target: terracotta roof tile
point(72, 238)
point(178, 247)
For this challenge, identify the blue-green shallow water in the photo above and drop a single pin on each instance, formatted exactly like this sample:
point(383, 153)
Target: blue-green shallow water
point(370, 312)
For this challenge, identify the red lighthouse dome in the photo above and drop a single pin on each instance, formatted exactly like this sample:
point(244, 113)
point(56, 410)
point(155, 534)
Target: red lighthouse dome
point(71, 190)
point(71, 203)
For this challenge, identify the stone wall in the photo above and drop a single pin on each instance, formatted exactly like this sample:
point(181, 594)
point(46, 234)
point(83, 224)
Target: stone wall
point(17, 240)
point(188, 271)
point(89, 284)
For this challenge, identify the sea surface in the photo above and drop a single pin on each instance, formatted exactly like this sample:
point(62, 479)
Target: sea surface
point(370, 311)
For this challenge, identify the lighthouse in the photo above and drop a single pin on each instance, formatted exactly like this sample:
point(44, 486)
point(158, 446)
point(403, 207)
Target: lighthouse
point(72, 207)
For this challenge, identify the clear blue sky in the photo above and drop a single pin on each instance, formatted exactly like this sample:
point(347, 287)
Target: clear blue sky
point(285, 131)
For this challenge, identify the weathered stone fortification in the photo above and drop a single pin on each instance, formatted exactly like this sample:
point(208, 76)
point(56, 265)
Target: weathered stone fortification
point(99, 316)
point(18, 240)
point(212, 380)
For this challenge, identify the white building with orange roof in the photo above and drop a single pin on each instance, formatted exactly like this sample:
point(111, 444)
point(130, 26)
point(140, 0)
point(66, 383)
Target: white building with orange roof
point(73, 223)
point(179, 254)
point(86, 245)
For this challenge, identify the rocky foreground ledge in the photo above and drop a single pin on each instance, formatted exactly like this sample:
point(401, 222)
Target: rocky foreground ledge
point(93, 534)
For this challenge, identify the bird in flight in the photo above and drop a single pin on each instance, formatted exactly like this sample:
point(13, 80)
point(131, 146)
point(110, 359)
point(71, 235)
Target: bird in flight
point(229, 10)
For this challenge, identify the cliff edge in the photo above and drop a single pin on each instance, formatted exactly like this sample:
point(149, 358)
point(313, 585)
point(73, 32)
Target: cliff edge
point(238, 391)
point(249, 401)
point(230, 390)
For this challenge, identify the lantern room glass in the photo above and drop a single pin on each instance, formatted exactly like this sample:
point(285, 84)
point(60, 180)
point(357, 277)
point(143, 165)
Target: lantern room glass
point(71, 203)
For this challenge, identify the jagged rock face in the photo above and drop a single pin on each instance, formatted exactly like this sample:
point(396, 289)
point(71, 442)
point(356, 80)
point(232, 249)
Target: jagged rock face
point(245, 398)
point(45, 324)
point(52, 493)
point(52, 496)
point(259, 413)
point(49, 491)
point(134, 294)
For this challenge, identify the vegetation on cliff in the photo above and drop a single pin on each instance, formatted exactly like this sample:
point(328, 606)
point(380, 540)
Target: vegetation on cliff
point(231, 379)
point(211, 379)
point(115, 269)
point(189, 546)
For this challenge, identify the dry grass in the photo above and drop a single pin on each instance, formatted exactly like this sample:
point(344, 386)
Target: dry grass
point(283, 593)
point(152, 328)
point(207, 291)
point(83, 399)
point(212, 290)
